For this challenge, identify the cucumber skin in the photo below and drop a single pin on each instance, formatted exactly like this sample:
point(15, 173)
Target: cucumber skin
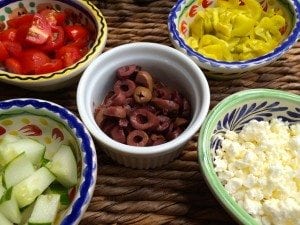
point(26, 185)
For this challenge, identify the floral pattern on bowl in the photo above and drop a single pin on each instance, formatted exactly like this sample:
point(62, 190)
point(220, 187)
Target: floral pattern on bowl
point(53, 125)
point(232, 113)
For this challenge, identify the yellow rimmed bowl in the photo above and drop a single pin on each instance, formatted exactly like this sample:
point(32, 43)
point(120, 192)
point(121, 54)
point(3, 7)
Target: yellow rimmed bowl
point(83, 12)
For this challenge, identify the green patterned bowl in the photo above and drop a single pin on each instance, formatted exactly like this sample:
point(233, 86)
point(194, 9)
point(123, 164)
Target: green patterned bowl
point(83, 12)
point(233, 113)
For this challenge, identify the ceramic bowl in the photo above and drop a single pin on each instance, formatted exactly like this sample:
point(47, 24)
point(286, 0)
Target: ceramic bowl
point(83, 12)
point(185, 11)
point(233, 113)
point(167, 65)
point(53, 125)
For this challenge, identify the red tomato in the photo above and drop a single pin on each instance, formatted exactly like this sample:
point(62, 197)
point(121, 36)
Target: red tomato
point(76, 32)
point(3, 52)
point(13, 65)
point(9, 34)
point(54, 18)
point(53, 65)
point(39, 31)
point(56, 40)
point(32, 60)
point(14, 49)
point(21, 34)
point(68, 54)
point(25, 19)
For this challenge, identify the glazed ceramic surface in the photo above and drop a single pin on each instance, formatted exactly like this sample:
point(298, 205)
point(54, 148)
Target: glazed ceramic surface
point(232, 114)
point(83, 12)
point(53, 125)
point(184, 12)
point(165, 64)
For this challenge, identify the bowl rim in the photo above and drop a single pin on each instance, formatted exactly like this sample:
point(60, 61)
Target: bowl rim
point(273, 55)
point(133, 150)
point(88, 152)
point(204, 152)
point(68, 72)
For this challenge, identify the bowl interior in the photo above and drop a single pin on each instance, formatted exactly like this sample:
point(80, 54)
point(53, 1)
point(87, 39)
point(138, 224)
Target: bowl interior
point(190, 8)
point(185, 11)
point(231, 114)
point(164, 65)
point(52, 126)
point(84, 13)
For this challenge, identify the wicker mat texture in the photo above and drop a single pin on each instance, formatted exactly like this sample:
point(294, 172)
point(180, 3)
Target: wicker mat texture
point(176, 193)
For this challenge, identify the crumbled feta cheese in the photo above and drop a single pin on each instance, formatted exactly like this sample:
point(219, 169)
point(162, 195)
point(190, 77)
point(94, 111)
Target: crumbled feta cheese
point(260, 168)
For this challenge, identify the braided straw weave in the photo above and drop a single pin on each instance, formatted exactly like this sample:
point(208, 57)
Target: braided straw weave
point(176, 193)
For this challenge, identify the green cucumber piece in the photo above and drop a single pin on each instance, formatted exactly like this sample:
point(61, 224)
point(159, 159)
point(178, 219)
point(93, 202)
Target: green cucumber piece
point(8, 138)
point(2, 190)
point(57, 188)
point(4, 220)
point(33, 149)
point(45, 210)
point(63, 166)
point(4, 158)
point(10, 150)
point(26, 213)
point(9, 207)
point(17, 170)
point(27, 190)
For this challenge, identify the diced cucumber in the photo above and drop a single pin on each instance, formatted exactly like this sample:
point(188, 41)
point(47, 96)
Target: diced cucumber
point(9, 207)
point(57, 188)
point(27, 190)
point(64, 167)
point(2, 190)
point(33, 149)
point(4, 220)
point(17, 170)
point(45, 210)
point(8, 138)
point(3, 148)
point(26, 213)
point(6, 154)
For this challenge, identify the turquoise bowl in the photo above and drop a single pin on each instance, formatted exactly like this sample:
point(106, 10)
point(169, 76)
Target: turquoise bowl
point(233, 113)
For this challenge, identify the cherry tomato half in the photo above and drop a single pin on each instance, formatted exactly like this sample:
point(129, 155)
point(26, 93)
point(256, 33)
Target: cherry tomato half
point(76, 32)
point(13, 65)
point(25, 19)
point(54, 18)
point(14, 49)
point(56, 39)
point(53, 65)
point(32, 60)
point(3, 52)
point(39, 31)
point(9, 34)
point(69, 55)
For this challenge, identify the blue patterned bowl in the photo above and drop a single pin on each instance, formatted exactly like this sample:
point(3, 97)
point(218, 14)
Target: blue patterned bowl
point(184, 12)
point(233, 113)
point(83, 12)
point(53, 125)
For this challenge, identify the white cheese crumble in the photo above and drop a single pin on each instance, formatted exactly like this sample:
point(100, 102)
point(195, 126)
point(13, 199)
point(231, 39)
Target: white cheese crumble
point(260, 169)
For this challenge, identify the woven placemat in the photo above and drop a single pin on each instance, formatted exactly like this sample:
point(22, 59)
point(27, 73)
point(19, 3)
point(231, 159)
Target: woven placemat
point(176, 193)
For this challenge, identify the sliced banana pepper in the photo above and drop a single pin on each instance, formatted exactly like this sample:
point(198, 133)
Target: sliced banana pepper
point(237, 30)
